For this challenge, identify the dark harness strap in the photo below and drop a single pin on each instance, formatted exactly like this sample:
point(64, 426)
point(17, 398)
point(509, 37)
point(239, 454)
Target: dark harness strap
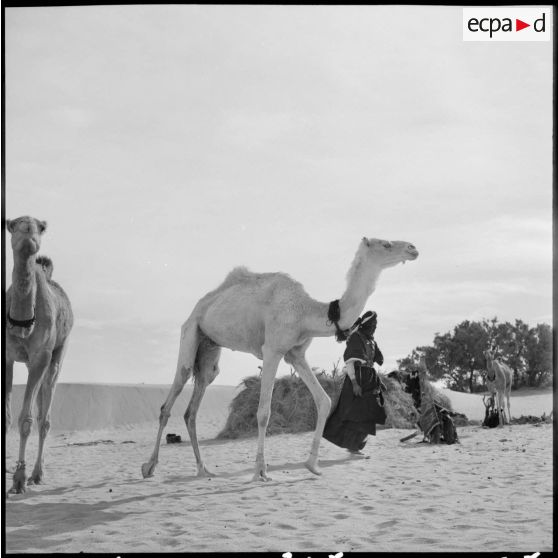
point(21, 323)
point(334, 315)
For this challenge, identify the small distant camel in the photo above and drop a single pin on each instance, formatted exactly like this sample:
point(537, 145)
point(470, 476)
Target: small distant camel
point(499, 378)
point(38, 323)
point(272, 317)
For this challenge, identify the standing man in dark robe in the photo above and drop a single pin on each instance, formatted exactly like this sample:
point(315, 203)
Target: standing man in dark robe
point(361, 404)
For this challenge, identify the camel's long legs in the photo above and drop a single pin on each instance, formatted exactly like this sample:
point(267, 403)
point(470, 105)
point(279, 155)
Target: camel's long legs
point(271, 359)
point(44, 402)
point(189, 341)
point(501, 408)
point(321, 398)
point(206, 371)
point(508, 402)
point(500, 385)
point(8, 392)
point(37, 370)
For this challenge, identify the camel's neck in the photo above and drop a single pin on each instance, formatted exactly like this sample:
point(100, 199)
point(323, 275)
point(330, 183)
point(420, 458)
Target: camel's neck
point(24, 288)
point(490, 369)
point(360, 286)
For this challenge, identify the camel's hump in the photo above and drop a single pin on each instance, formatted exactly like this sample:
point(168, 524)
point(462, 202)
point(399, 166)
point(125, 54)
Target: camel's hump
point(242, 274)
point(46, 263)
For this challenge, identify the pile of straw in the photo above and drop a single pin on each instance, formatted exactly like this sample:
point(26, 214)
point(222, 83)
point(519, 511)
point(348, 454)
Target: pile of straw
point(293, 409)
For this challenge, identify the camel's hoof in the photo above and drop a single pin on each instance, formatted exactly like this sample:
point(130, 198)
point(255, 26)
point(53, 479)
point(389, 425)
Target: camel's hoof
point(17, 488)
point(34, 480)
point(312, 467)
point(203, 472)
point(261, 476)
point(147, 470)
point(36, 477)
point(19, 481)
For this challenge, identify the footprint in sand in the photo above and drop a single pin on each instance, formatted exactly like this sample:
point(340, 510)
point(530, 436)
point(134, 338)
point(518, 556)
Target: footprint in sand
point(170, 542)
point(426, 540)
point(285, 526)
point(341, 516)
point(386, 524)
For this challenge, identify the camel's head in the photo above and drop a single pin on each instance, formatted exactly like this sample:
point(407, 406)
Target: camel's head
point(388, 253)
point(488, 355)
point(26, 234)
point(422, 370)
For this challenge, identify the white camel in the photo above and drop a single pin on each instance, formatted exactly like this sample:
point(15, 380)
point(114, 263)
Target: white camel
point(272, 317)
point(499, 378)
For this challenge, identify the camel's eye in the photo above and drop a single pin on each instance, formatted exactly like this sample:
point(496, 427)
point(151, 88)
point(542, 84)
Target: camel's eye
point(387, 245)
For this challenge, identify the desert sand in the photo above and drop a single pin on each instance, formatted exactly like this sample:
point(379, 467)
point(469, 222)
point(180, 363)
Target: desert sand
point(490, 492)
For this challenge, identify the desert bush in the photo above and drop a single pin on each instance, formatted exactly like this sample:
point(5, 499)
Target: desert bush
point(531, 419)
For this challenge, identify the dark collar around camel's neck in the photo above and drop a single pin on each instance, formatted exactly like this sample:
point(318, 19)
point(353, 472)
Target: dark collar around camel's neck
point(21, 323)
point(334, 315)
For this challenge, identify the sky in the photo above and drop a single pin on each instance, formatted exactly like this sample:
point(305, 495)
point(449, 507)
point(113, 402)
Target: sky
point(167, 144)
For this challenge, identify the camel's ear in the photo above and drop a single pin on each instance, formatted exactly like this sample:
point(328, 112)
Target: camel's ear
point(10, 225)
point(365, 241)
point(42, 226)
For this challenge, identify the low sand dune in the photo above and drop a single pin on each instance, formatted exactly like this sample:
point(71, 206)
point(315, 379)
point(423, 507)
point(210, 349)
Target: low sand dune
point(492, 492)
point(523, 402)
point(98, 406)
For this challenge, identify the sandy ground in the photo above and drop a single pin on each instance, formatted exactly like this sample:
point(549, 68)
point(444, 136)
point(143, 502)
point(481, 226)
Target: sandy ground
point(491, 492)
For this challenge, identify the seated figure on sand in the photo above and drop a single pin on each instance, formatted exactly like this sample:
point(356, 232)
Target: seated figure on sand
point(435, 420)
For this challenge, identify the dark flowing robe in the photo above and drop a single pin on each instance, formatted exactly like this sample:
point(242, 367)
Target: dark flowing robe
point(354, 417)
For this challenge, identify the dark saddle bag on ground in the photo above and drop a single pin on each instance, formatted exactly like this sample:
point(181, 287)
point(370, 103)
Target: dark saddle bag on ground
point(491, 420)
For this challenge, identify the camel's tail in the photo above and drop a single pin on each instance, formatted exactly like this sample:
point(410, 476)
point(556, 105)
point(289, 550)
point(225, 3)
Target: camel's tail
point(189, 343)
point(46, 263)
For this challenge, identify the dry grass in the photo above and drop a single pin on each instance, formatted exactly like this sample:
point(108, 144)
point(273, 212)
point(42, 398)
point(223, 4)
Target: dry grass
point(293, 409)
